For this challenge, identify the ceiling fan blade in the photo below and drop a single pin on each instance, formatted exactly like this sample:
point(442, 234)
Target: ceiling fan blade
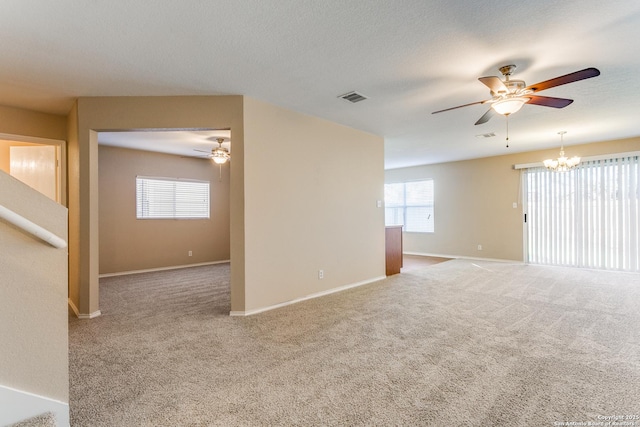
point(486, 116)
point(494, 83)
point(202, 151)
point(587, 73)
point(195, 157)
point(459, 106)
point(547, 101)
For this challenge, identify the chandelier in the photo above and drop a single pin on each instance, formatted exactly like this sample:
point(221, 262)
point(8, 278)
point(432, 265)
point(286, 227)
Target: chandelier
point(562, 163)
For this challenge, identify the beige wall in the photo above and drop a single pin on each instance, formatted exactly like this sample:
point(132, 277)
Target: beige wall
point(130, 113)
point(311, 188)
point(34, 126)
point(473, 202)
point(16, 121)
point(128, 244)
point(33, 296)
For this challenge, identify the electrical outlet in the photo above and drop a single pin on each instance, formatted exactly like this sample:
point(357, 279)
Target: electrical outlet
point(515, 205)
point(320, 274)
point(479, 247)
point(190, 253)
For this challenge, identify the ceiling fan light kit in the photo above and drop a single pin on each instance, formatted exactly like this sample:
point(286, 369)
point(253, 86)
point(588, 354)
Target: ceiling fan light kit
point(220, 159)
point(219, 154)
point(509, 106)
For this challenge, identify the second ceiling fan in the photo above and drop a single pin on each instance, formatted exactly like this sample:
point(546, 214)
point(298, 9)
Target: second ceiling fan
point(508, 96)
point(218, 154)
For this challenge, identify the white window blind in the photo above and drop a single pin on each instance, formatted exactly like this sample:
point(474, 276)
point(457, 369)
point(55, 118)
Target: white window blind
point(410, 204)
point(588, 217)
point(167, 198)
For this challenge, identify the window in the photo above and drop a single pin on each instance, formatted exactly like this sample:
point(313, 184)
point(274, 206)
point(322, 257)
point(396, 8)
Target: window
point(168, 198)
point(588, 217)
point(410, 204)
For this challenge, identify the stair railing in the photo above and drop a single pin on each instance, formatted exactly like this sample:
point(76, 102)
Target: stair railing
point(32, 228)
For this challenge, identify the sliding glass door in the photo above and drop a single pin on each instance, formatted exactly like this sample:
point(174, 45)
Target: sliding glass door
point(587, 217)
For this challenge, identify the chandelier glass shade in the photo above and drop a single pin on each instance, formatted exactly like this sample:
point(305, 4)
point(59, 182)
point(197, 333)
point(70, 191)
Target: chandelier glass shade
point(509, 106)
point(562, 163)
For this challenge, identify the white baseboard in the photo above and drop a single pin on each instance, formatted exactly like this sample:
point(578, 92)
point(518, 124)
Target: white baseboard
point(152, 270)
point(83, 316)
point(16, 405)
point(308, 297)
point(90, 315)
point(464, 257)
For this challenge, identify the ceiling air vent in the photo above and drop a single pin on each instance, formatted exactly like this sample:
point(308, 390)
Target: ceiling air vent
point(486, 135)
point(353, 97)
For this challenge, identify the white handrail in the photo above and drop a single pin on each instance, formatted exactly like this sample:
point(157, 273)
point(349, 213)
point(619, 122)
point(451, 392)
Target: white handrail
point(32, 228)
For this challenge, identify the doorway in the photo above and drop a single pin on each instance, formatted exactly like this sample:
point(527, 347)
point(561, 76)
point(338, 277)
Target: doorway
point(163, 203)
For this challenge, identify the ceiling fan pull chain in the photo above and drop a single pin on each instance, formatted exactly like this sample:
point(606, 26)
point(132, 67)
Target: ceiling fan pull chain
point(507, 117)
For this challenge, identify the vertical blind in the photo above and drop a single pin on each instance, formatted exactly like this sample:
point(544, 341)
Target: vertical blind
point(410, 204)
point(162, 198)
point(587, 217)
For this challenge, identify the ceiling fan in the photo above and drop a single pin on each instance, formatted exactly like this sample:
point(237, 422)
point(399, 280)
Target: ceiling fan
point(218, 154)
point(508, 96)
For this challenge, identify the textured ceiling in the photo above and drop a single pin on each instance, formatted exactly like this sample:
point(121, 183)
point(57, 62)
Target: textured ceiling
point(409, 57)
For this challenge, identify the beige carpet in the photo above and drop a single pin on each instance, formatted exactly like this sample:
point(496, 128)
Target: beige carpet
point(457, 343)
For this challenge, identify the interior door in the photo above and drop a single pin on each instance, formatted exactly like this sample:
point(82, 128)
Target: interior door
point(37, 166)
